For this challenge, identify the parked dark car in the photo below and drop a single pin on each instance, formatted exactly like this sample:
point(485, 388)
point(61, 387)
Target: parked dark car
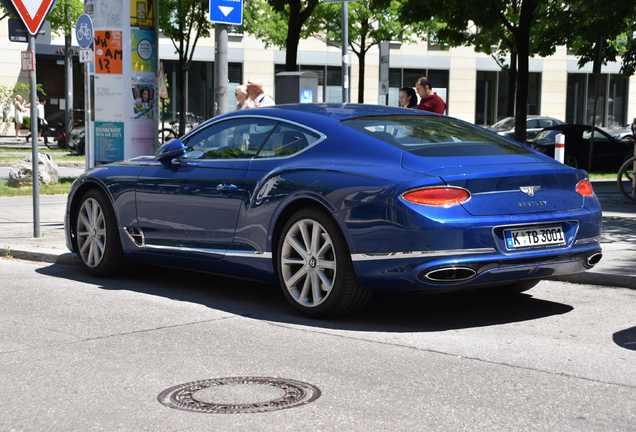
point(534, 125)
point(335, 201)
point(608, 153)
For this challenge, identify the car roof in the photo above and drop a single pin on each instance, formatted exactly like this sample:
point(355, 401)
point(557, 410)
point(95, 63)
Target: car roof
point(338, 111)
point(569, 126)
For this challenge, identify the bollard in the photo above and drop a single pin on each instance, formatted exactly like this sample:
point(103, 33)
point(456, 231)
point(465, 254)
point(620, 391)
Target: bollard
point(559, 147)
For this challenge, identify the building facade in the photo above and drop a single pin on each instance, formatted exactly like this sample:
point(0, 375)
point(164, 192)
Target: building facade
point(472, 84)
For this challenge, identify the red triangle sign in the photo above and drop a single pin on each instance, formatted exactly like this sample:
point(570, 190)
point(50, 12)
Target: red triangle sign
point(33, 12)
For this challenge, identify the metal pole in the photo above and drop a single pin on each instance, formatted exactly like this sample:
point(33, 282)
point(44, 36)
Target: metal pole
point(597, 77)
point(88, 126)
point(345, 52)
point(34, 143)
point(220, 69)
point(68, 65)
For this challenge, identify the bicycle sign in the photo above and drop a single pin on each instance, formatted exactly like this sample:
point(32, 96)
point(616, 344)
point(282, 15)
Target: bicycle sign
point(84, 31)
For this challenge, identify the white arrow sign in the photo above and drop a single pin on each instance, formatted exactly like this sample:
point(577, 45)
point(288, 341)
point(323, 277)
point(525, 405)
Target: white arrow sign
point(225, 10)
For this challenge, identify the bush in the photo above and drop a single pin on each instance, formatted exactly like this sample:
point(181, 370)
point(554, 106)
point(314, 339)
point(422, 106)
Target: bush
point(26, 123)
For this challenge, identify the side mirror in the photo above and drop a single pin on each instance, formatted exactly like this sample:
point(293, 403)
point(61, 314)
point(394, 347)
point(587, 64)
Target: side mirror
point(169, 151)
point(634, 128)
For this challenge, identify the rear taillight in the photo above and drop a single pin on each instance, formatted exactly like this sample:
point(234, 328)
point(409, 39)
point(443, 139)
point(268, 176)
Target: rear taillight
point(437, 196)
point(584, 187)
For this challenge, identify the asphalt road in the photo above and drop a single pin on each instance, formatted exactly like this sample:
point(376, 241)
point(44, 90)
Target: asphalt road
point(79, 354)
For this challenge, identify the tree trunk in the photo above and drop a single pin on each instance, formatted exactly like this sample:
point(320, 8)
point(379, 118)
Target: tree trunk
point(512, 85)
point(522, 45)
point(181, 82)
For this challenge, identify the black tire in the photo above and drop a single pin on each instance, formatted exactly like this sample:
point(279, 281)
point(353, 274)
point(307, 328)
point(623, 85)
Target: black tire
point(626, 182)
point(166, 135)
point(315, 269)
point(97, 241)
point(571, 161)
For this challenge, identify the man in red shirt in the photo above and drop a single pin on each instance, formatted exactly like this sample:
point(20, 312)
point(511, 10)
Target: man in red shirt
point(429, 100)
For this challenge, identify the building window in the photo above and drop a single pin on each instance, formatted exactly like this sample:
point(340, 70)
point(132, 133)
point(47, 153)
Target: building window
point(492, 96)
point(399, 78)
point(199, 84)
point(611, 100)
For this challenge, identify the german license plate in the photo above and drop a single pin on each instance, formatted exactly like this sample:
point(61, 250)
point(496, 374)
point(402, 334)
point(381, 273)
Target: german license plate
point(532, 237)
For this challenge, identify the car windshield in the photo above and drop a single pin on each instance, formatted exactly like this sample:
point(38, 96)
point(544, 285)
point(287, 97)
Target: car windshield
point(432, 136)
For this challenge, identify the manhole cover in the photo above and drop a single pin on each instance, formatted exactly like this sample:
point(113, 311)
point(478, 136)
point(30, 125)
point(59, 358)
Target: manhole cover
point(239, 395)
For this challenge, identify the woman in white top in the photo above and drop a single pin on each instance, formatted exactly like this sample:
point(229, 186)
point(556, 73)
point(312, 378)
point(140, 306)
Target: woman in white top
point(242, 98)
point(20, 109)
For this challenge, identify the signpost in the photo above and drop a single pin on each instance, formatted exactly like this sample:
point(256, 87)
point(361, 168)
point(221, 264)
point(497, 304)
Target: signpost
point(33, 13)
point(223, 12)
point(226, 11)
point(85, 34)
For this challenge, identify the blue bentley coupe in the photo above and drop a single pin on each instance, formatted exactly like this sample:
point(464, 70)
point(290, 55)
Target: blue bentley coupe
point(336, 201)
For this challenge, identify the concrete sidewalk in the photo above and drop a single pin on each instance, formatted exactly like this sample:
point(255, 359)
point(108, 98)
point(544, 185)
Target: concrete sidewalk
point(617, 268)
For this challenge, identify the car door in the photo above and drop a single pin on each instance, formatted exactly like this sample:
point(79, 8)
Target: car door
point(192, 207)
point(606, 150)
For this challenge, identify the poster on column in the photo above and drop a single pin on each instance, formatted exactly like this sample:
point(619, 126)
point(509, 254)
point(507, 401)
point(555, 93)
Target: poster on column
point(142, 139)
point(144, 51)
point(109, 141)
point(143, 100)
point(108, 52)
point(142, 14)
point(109, 97)
point(107, 13)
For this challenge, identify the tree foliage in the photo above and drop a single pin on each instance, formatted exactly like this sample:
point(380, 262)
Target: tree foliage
point(368, 26)
point(184, 22)
point(281, 24)
point(614, 21)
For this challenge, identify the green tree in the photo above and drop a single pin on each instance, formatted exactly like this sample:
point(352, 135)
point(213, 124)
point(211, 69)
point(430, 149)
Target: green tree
point(184, 22)
point(613, 21)
point(281, 24)
point(368, 26)
point(522, 28)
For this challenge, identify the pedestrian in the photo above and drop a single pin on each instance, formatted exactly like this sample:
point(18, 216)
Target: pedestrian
point(429, 101)
point(43, 125)
point(408, 98)
point(256, 93)
point(20, 109)
point(242, 98)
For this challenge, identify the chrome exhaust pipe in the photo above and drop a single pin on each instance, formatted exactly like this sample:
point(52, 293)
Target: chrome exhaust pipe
point(449, 274)
point(593, 259)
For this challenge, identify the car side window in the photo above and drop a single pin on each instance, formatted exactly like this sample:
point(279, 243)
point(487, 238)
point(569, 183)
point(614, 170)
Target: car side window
point(532, 124)
point(287, 140)
point(230, 139)
point(545, 123)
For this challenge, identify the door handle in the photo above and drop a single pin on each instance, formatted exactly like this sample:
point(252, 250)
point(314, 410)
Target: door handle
point(226, 187)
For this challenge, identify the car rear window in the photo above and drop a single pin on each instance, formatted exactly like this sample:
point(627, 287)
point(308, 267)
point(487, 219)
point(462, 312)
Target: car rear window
point(432, 136)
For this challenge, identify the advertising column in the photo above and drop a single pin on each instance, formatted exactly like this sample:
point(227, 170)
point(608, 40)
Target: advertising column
point(125, 109)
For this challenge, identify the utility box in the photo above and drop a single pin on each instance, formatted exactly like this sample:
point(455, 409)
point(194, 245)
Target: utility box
point(296, 87)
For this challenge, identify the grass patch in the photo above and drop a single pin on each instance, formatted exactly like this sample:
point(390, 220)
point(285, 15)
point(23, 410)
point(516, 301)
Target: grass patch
point(59, 157)
point(603, 175)
point(25, 150)
point(61, 188)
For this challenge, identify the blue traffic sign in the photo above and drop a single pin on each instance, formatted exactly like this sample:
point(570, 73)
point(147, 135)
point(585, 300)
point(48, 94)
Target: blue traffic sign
point(226, 11)
point(84, 31)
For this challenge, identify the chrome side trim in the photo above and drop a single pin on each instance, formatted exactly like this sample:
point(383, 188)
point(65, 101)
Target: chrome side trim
point(235, 253)
point(251, 254)
point(417, 254)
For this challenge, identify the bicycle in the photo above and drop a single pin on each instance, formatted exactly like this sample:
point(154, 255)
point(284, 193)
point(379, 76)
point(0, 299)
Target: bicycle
point(167, 134)
point(626, 181)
